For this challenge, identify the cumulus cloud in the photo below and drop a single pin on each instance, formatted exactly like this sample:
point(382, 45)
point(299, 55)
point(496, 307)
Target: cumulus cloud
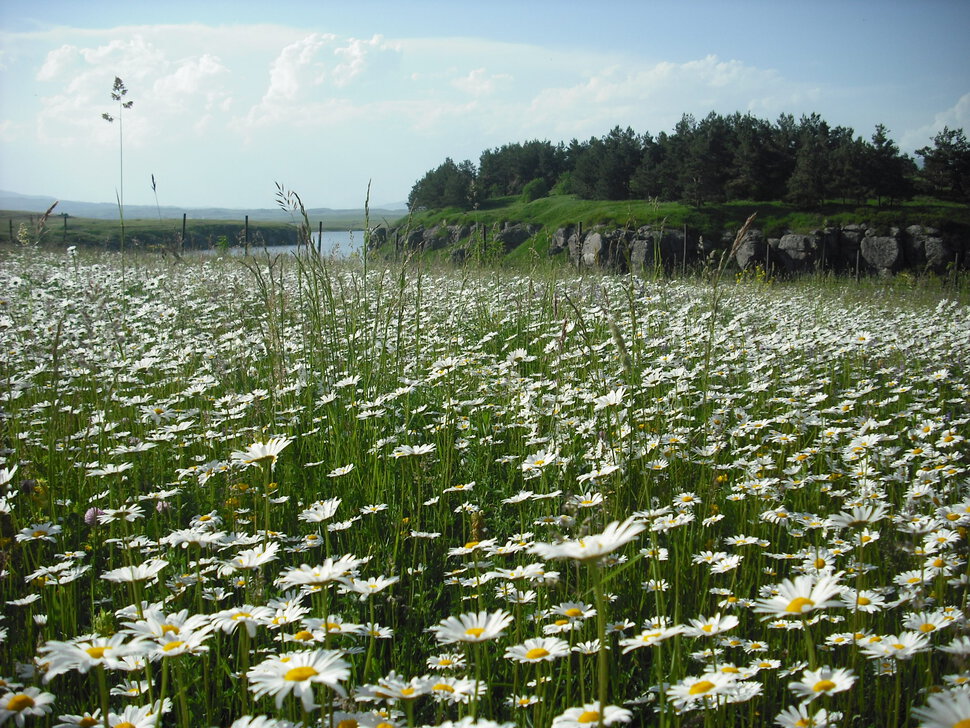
point(955, 117)
point(479, 82)
point(652, 97)
point(310, 82)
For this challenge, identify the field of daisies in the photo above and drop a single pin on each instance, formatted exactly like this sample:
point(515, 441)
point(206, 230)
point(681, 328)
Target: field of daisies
point(283, 491)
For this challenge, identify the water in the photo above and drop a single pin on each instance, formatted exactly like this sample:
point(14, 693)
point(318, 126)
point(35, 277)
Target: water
point(338, 243)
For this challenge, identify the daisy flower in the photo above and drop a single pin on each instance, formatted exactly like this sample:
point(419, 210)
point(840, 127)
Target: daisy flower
point(261, 452)
point(704, 627)
point(446, 661)
point(29, 702)
point(950, 709)
point(328, 571)
point(247, 615)
point(797, 716)
point(143, 572)
point(805, 594)
point(824, 681)
point(297, 673)
point(692, 689)
point(472, 627)
point(615, 535)
point(82, 655)
point(540, 649)
point(591, 714)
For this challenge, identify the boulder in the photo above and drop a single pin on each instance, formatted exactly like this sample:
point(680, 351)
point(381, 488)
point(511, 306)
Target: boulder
point(799, 252)
point(883, 253)
point(560, 239)
point(436, 237)
point(513, 235)
point(752, 251)
point(589, 253)
point(650, 247)
point(926, 248)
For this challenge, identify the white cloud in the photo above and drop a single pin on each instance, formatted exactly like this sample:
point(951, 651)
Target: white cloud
point(653, 97)
point(353, 58)
point(956, 117)
point(479, 82)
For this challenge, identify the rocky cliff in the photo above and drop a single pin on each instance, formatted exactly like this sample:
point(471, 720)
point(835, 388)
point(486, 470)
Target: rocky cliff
point(844, 248)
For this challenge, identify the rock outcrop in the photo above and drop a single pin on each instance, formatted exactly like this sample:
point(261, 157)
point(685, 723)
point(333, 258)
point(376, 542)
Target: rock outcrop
point(847, 248)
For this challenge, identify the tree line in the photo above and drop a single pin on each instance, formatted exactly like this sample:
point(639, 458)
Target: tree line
point(716, 159)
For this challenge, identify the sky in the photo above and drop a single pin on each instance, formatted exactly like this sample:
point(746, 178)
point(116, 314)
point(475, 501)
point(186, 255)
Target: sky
point(324, 98)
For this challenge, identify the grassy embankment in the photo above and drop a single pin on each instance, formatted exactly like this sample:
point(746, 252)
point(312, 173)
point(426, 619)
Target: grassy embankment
point(711, 221)
point(163, 233)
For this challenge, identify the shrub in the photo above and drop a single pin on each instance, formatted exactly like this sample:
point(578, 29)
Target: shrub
point(535, 189)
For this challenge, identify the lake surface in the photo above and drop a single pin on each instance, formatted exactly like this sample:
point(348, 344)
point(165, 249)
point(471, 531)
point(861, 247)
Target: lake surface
point(338, 243)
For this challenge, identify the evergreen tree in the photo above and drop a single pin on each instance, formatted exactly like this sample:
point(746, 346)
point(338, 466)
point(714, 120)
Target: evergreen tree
point(946, 165)
point(808, 183)
point(888, 171)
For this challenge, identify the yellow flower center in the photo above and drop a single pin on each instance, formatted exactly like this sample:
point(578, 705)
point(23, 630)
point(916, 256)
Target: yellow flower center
point(446, 662)
point(126, 724)
point(799, 604)
point(471, 544)
point(20, 702)
point(927, 627)
point(820, 563)
point(407, 692)
point(96, 652)
point(823, 686)
point(729, 668)
point(166, 628)
point(303, 636)
point(475, 631)
point(333, 627)
point(573, 612)
point(863, 601)
point(299, 674)
point(242, 615)
point(443, 687)
point(348, 723)
point(87, 722)
point(965, 723)
point(173, 645)
point(701, 687)
point(561, 622)
point(39, 534)
point(536, 653)
point(589, 716)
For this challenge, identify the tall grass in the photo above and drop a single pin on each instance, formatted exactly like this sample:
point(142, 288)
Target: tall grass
point(462, 419)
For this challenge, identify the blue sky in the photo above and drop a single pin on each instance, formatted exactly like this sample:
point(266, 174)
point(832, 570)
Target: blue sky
point(230, 97)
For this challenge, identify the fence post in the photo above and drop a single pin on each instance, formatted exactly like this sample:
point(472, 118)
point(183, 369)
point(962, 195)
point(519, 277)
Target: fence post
point(182, 241)
point(683, 270)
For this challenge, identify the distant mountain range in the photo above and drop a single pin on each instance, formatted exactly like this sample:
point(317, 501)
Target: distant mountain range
point(15, 201)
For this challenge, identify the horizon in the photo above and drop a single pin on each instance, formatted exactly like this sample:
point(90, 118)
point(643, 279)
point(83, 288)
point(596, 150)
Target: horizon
point(374, 93)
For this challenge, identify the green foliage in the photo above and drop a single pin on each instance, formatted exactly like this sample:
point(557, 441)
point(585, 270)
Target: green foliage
point(535, 189)
point(149, 234)
point(946, 165)
point(712, 220)
point(717, 159)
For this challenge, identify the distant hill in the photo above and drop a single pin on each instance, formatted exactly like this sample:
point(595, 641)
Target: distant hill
point(109, 211)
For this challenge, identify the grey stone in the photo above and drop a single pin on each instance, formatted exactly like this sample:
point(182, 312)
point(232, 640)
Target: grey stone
point(884, 253)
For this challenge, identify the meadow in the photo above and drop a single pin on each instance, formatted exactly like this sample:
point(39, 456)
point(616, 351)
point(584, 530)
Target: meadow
point(286, 490)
